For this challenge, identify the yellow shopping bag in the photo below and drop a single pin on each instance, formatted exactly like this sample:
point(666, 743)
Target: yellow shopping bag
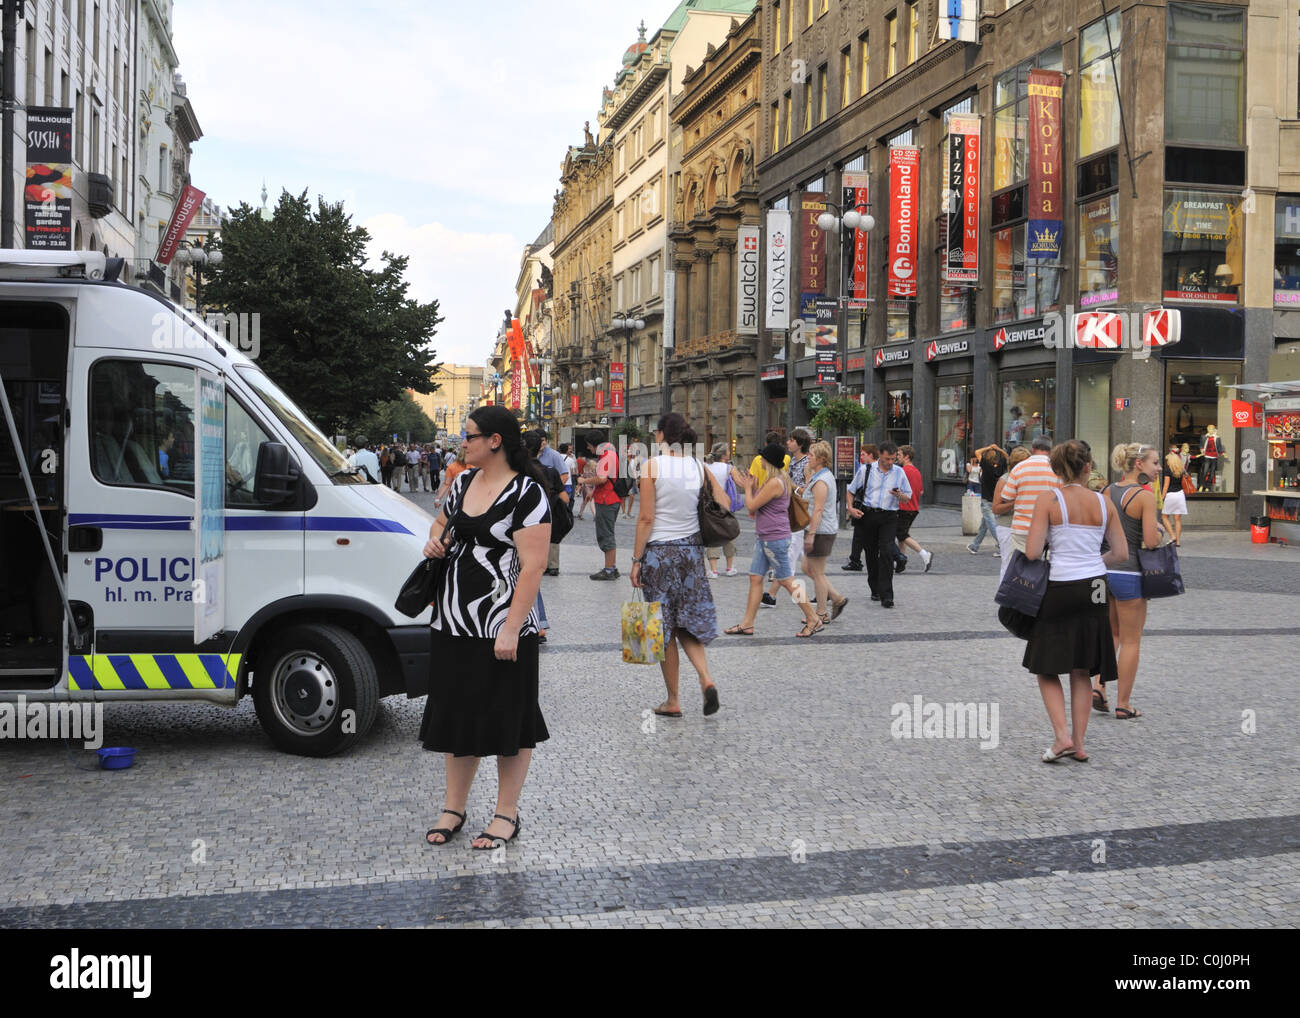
point(643, 631)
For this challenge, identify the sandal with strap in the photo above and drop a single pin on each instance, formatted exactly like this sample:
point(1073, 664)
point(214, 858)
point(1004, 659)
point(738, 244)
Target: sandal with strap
point(494, 838)
point(808, 630)
point(446, 832)
point(1099, 703)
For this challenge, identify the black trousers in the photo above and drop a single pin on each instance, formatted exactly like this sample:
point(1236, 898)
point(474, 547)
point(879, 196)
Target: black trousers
point(859, 539)
point(881, 550)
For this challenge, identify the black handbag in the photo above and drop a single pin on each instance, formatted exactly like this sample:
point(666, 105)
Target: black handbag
point(421, 588)
point(1017, 623)
point(717, 525)
point(1160, 572)
point(1024, 584)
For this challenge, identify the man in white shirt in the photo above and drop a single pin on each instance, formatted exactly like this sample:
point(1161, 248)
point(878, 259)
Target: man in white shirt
point(366, 460)
point(884, 486)
point(413, 468)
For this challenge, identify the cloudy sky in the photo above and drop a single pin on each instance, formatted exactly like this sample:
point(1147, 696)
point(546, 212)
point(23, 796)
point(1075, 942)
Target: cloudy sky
point(441, 125)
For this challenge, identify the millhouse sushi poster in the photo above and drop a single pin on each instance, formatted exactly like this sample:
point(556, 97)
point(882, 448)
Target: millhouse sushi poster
point(47, 191)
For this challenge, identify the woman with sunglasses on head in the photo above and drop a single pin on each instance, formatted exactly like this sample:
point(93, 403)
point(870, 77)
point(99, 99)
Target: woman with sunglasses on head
point(1136, 507)
point(483, 688)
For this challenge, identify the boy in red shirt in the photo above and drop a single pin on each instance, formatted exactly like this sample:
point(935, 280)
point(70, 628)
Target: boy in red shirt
point(908, 511)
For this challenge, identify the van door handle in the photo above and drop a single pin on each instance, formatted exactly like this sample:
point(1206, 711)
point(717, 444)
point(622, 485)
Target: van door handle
point(85, 539)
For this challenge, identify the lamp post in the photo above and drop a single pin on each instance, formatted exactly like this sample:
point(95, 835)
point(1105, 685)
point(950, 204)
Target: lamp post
point(855, 217)
point(627, 325)
point(197, 258)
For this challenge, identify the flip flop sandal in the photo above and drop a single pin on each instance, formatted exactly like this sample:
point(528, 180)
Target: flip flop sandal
point(669, 713)
point(1126, 714)
point(711, 701)
point(739, 631)
point(1099, 702)
point(837, 608)
point(1051, 758)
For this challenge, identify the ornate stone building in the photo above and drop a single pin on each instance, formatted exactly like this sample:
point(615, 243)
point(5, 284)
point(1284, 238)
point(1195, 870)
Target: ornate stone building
point(713, 371)
point(583, 218)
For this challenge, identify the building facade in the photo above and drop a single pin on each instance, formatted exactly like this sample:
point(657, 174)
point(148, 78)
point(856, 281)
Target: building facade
point(459, 387)
point(1129, 157)
point(713, 367)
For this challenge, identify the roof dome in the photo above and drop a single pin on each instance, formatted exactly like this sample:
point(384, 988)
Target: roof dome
point(637, 48)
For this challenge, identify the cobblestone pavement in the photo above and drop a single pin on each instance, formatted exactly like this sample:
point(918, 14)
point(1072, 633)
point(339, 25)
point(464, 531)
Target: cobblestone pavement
point(794, 805)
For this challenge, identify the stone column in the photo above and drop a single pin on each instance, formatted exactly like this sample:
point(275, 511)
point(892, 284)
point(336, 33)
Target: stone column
point(720, 296)
point(700, 294)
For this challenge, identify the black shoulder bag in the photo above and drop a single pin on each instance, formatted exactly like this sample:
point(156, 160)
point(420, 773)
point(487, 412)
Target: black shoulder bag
point(421, 588)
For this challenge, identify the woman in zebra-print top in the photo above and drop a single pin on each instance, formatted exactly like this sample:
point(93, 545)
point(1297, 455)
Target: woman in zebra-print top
point(483, 687)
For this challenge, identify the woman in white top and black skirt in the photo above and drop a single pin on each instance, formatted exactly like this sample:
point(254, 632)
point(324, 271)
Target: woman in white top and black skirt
point(483, 686)
point(1072, 631)
point(668, 556)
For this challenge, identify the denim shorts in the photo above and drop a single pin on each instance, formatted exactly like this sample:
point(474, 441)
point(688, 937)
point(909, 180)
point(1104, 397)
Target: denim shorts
point(774, 555)
point(1124, 586)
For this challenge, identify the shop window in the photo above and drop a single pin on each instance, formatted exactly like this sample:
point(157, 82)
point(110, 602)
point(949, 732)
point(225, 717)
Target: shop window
point(1204, 74)
point(1022, 288)
point(1099, 45)
point(1286, 252)
point(1011, 118)
point(142, 425)
point(1098, 239)
point(1028, 406)
point(898, 415)
point(900, 319)
point(857, 326)
point(1196, 401)
point(953, 415)
point(1202, 246)
point(1092, 410)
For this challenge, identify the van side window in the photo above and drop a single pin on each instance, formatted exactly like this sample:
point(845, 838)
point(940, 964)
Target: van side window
point(244, 436)
point(142, 425)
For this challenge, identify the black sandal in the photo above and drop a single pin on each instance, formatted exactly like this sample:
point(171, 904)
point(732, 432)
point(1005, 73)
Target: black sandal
point(446, 832)
point(1099, 702)
point(496, 837)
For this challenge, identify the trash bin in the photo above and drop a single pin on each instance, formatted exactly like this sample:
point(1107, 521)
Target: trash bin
point(1259, 530)
point(970, 515)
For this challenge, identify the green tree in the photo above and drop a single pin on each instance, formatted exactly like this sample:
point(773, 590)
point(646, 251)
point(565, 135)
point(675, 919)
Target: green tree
point(395, 416)
point(336, 336)
point(842, 416)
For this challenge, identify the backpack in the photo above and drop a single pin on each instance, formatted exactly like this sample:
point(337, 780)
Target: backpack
point(622, 486)
point(561, 511)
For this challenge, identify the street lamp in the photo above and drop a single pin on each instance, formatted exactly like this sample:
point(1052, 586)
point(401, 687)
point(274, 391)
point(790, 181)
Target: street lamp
point(855, 217)
point(195, 256)
point(627, 325)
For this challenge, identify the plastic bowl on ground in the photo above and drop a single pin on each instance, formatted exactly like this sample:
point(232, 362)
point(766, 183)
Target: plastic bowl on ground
point(116, 758)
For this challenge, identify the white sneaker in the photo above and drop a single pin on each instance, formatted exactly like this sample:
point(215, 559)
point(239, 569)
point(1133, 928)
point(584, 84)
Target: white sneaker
point(730, 572)
point(926, 558)
point(713, 574)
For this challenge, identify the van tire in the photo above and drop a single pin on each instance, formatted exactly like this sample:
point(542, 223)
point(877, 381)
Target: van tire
point(327, 668)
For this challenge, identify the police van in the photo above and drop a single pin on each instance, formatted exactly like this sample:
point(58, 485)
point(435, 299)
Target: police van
point(173, 528)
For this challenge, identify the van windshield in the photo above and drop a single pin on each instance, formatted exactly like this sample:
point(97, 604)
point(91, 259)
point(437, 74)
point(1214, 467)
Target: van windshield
point(327, 457)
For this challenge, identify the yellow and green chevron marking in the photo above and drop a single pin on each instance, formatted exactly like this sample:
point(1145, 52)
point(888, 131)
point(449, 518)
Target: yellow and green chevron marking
point(153, 671)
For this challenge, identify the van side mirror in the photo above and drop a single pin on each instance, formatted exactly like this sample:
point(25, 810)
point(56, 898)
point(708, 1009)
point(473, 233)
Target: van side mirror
point(277, 474)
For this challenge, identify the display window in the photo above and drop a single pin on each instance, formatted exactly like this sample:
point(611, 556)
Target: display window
point(1202, 246)
point(1098, 264)
point(898, 415)
point(1198, 419)
point(1205, 62)
point(1028, 406)
point(900, 319)
point(1022, 288)
point(1099, 121)
point(954, 411)
point(1286, 251)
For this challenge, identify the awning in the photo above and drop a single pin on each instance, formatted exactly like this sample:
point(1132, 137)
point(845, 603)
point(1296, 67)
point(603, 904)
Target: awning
point(1269, 388)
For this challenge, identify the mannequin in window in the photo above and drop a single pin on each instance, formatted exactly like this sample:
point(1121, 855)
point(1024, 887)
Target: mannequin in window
point(1183, 422)
point(1209, 458)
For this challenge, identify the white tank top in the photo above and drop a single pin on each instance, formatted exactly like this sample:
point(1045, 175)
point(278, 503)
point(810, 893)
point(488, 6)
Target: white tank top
point(1076, 547)
point(677, 482)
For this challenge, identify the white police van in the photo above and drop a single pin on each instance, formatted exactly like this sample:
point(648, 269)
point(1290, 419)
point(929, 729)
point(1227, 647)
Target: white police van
point(136, 443)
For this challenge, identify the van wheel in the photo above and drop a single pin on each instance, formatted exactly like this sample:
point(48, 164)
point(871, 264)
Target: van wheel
point(315, 690)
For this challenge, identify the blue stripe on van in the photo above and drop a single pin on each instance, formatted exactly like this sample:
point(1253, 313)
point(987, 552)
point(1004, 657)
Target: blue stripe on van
point(295, 522)
point(172, 671)
point(126, 671)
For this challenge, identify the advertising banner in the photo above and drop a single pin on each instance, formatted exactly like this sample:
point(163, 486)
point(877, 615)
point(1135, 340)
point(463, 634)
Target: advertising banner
point(778, 269)
point(827, 341)
point(904, 167)
point(616, 395)
point(517, 387)
point(961, 261)
point(600, 399)
point(747, 281)
point(1205, 229)
point(615, 370)
point(573, 402)
point(210, 508)
point(191, 200)
point(960, 20)
point(854, 251)
point(846, 457)
point(812, 251)
point(47, 191)
point(1045, 211)
point(1246, 414)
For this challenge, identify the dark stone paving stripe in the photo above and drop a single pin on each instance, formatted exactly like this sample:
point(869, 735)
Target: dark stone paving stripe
point(679, 885)
point(729, 642)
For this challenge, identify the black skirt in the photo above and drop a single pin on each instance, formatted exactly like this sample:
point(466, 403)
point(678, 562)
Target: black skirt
point(1073, 631)
point(477, 705)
